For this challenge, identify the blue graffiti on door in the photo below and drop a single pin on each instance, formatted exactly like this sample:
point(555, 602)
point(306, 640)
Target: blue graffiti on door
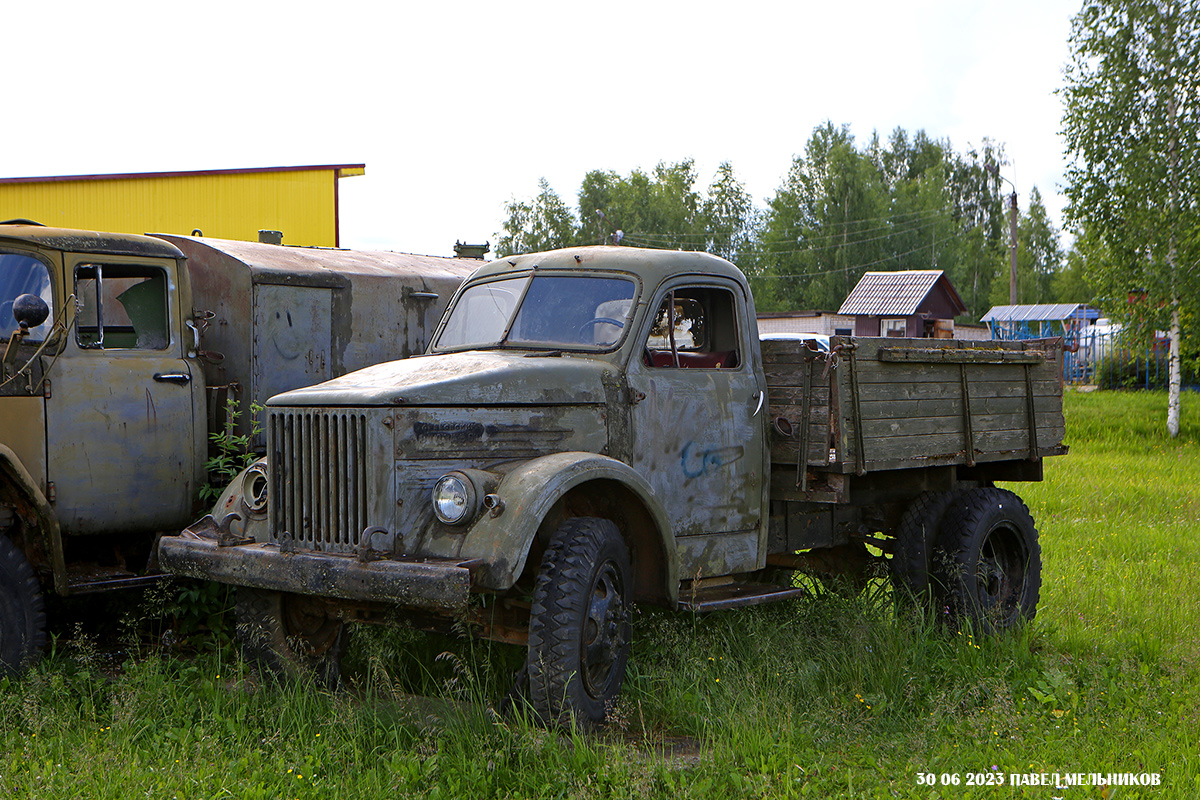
point(696, 460)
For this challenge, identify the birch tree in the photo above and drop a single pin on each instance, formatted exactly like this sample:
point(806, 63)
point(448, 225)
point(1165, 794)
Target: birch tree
point(1132, 118)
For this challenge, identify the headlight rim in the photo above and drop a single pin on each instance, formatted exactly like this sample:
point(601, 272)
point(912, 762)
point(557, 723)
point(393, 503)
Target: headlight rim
point(470, 507)
point(256, 502)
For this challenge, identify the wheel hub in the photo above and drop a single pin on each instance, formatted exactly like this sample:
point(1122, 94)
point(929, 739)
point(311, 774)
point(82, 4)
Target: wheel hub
point(604, 630)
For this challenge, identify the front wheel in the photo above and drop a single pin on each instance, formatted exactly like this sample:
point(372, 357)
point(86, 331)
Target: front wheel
point(579, 628)
point(22, 615)
point(289, 635)
point(994, 566)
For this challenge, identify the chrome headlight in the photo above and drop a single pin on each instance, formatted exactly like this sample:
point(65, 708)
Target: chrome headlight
point(455, 500)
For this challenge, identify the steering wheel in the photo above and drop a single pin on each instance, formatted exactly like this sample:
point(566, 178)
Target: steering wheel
point(583, 329)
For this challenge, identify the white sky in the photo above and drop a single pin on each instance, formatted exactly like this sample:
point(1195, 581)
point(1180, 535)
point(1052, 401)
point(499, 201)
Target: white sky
point(458, 107)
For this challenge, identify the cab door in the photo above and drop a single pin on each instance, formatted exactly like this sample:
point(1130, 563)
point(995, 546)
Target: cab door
point(697, 425)
point(121, 430)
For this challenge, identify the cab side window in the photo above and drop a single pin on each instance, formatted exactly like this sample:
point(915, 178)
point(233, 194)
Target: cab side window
point(121, 307)
point(694, 328)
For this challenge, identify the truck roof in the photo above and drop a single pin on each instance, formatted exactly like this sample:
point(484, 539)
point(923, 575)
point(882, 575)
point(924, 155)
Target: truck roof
point(316, 266)
point(653, 266)
point(80, 241)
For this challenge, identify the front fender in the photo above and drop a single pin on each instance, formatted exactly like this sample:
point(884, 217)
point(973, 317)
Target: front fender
point(237, 498)
point(19, 488)
point(529, 492)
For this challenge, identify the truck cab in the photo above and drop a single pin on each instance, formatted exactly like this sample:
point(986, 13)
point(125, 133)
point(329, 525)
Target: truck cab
point(102, 412)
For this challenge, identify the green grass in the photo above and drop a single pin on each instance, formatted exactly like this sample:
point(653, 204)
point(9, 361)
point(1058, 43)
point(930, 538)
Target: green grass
point(819, 698)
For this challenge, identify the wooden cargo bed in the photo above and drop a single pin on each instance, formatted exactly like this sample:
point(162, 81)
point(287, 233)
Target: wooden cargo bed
point(876, 404)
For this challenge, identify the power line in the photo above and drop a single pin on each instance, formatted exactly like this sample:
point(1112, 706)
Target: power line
point(884, 260)
point(894, 221)
point(669, 243)
point(823, 273)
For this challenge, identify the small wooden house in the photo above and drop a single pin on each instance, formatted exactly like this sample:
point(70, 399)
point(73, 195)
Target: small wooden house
point(919, 304)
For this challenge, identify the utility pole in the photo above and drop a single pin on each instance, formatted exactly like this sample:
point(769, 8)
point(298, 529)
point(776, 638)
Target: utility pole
point(1012, 232)
point(1012, 246)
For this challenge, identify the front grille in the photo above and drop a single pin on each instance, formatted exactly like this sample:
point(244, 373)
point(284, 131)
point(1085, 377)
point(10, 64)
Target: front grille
point(318, 477)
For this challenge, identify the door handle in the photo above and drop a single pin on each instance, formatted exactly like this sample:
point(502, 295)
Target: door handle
point(761, 396)
point(172, 377)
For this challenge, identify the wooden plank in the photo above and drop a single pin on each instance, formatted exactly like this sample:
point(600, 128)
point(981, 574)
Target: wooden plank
point(792, 375)
point(880, 372)
point(1018, 454)
point(784, 453)
point(795, 394)
point(868, 347)
point(983, 425)
point(948, 406)
point(916, 355)
point(901, 448)
point(793, 411)
point(937, 390)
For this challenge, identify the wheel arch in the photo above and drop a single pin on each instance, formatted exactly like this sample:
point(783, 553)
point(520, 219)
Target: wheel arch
point(539, 494)
point(19, 489)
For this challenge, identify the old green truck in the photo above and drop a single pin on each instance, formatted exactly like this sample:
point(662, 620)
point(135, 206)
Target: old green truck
point(119, 353)
point(600, 426)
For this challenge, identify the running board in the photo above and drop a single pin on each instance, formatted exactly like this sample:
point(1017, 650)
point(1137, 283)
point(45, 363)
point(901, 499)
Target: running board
point(109, 584)
point(736, 595)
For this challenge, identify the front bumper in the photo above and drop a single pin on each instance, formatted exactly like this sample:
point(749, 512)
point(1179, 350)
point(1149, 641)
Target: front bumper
point(424, 583)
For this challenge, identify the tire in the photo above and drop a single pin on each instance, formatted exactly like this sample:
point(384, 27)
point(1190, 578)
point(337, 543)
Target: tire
point(913, 566)
point(280, 632)
point(994, 572)
point(579, 628)
point(22, 613)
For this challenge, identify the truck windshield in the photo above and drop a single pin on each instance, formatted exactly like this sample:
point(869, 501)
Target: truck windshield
point(561, 312)
point(23, 274)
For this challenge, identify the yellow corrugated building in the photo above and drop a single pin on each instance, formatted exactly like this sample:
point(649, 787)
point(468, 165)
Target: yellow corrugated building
point(300, 202)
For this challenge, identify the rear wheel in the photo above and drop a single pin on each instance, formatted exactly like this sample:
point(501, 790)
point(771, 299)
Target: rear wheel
point(289, 635)
point(917, 538)
point(22, 614)
point(994, 570)
point(579, 629)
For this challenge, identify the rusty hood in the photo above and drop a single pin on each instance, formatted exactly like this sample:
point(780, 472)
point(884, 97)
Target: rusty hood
point(464, 379)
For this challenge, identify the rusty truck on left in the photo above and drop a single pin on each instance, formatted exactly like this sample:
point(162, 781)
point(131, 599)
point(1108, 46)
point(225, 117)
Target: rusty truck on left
point(120, 353)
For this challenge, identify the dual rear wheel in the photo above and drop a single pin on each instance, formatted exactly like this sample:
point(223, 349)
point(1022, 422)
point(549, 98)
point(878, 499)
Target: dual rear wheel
point(972, 555)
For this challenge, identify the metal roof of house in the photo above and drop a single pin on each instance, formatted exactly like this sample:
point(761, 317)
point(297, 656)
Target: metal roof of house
point(1044, 312)
point(897, 294)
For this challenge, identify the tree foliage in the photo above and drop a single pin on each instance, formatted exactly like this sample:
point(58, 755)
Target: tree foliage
point(1132, 124)
point(543, 223)
point(910, 202)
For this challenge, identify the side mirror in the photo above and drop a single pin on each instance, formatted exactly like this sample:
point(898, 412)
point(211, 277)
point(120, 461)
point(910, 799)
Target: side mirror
point(29, 310)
